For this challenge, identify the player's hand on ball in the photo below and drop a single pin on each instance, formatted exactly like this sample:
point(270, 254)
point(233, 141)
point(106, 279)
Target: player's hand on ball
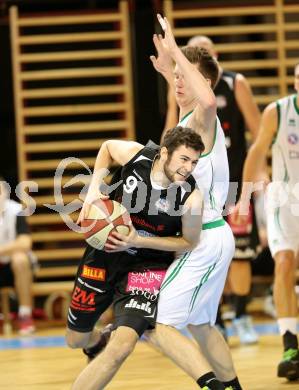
point(90, 198)
point(118, 242)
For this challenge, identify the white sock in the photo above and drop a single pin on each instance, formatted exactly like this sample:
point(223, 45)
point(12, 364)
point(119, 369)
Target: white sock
point(287, 324)
point(25, 311)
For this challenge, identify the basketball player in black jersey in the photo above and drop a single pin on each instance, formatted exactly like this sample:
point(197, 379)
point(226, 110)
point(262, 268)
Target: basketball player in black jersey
point(236, 110)
point(165, 208)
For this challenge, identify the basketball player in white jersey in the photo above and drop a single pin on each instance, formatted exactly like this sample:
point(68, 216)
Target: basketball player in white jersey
point(280, 128)
point(194, 283)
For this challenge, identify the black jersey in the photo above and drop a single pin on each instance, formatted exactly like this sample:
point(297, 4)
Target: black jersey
point(233, 124)
point(154, 211)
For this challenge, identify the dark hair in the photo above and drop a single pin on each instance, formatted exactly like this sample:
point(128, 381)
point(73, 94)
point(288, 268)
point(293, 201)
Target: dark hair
point(182, 136)
point(207, 65)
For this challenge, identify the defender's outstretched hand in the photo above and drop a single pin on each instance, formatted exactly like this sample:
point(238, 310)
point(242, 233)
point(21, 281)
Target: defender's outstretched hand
point(163, 63)
point(168, 41)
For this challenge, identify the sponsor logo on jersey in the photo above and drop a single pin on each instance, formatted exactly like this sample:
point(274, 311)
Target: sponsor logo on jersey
point(140, 222)
point(91, 287)
point(83, 300)
point(293, 154)
point(163, 205)
point(293, 138)
point(149, 281)
point(225, 126)
point(146, 294)
point(221, 101)
point(292, 122)
point(228, 142)
point(143, 306)
point(93, 273)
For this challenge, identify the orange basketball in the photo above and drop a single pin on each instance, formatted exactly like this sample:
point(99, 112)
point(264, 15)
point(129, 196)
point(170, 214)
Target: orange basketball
point(105, 217)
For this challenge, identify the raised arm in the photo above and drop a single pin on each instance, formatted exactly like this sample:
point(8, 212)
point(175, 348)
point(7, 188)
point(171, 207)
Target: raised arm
point(110, 151)
point(205, 111)
point(172, 116)
point(247, 105)
point(163, 63)
point(256, 157)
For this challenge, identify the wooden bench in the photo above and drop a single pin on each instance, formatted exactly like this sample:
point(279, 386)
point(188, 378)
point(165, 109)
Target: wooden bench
point(38, 289)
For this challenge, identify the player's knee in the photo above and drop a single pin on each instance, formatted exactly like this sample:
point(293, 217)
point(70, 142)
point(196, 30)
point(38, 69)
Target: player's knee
point(76, 340)
point(284, 266)
point(118, 352)
point(151, 337)
point(20, 262)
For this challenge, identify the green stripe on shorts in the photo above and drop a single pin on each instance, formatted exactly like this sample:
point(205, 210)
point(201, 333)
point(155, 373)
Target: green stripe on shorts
point(176, 271)
point(203, 280)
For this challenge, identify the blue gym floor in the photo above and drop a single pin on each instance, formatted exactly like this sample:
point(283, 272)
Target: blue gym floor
point(59, 341)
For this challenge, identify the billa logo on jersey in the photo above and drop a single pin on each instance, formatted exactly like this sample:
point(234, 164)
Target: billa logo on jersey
point(93, 273)
point(292, 122)
point(293, 138)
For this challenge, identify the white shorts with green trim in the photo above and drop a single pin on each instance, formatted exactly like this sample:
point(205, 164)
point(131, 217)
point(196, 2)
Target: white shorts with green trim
point(194, 283)
point(283, 229)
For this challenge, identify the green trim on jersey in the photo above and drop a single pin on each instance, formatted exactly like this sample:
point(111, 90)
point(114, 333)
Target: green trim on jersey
point(185, 116)
point(203, 280)
point(276, 219)
point(213, 224)
point(286, 177)
point(215, 133)
point(278, 123)
point(176, 271)
point(295, 103)
point(211, 196)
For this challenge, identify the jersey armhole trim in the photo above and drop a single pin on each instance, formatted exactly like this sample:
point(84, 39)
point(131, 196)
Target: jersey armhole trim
point(214, 141)
point(184, 117)
point(278, 123)
point(295, 103)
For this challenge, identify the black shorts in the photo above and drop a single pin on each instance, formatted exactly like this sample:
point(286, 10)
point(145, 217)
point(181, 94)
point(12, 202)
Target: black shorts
point(131, 284)
point(6, 275)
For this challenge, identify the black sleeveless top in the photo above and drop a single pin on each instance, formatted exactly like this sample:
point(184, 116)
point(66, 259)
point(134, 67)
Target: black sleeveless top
point(154, 212)
point(233, 124)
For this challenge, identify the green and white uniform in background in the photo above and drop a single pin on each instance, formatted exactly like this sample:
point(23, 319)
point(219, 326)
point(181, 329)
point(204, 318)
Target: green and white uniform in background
point(194, 282)
point(283, 192)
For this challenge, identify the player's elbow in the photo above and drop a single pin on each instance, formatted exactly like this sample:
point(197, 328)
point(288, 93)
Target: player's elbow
point(190, 244)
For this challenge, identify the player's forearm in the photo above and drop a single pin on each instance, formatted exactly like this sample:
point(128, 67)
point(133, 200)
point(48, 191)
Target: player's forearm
point(20, 244)
point(254, 164)
point(172, 112)
point(169, 244)
point(102, 164)
point(195, 80)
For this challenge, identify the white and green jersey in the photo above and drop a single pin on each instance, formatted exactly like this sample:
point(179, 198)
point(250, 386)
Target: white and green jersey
point(285, 148)
point(212, 174)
